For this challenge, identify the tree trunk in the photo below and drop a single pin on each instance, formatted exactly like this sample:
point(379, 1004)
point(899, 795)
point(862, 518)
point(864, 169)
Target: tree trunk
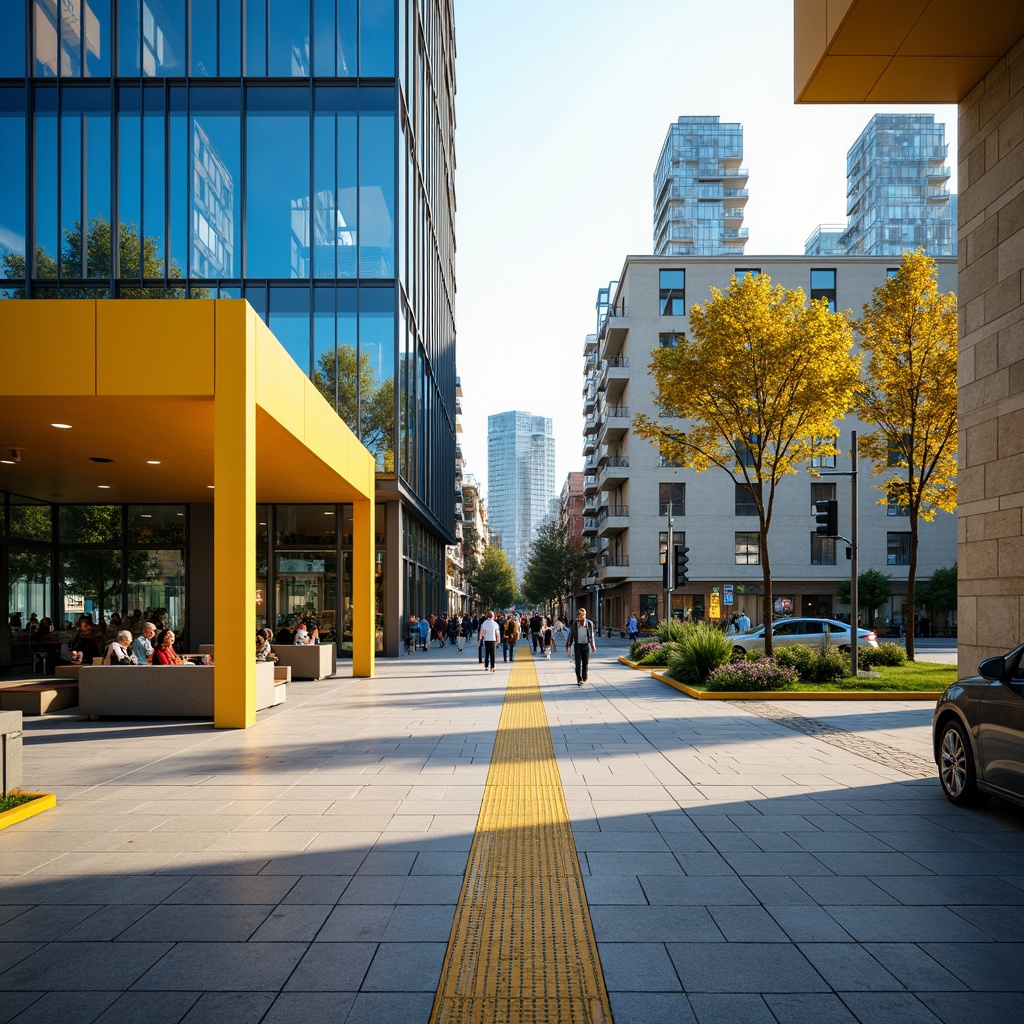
point(908, 604)
point(769, 643)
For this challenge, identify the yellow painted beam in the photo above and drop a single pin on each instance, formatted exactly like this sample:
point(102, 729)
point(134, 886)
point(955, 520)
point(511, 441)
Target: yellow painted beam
point(364, 617)
point(234, 516)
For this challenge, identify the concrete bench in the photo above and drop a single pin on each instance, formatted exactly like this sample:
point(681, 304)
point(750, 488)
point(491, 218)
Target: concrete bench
point(162, 691)
point(307, 661)
point(282, 673)
point(38, 698)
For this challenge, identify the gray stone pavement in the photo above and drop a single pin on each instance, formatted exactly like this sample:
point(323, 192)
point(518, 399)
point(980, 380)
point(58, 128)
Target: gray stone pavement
point(738, 869)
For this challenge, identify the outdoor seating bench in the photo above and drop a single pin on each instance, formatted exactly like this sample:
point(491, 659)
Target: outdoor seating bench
point(38, 698)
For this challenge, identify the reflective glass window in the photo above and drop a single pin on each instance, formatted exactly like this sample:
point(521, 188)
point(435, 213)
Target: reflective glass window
point(30, 520)
point(28, 591)
point(156, 586)
point(96, 35)
point(153, 170)
point(156, 524)
point(230, 38)
point(346, 339)
point(377, 38)
point(203, 37)
point(178, 182)
point(141, 170)
point(334, 224)
point(277, 201)
point(47, 240)
point(45, 33)
point(12, 42)
point(129, 38)
point(325, 354)
point(256, 38)
point(289, 320)
point(163, 38)
point(334, 43)
point(672, 292)
point(377, 375)
point(306, 524)
point(129, 176)
point(289, 38)
point(90, 524)
point(12, 195)
point(85, 182)
point(216, 181)
point(376, 182)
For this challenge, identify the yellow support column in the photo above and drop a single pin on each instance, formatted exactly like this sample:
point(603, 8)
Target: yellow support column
point(364, 612)
point(234, 516)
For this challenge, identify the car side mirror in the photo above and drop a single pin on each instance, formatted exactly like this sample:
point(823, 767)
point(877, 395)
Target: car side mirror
point(993, 668)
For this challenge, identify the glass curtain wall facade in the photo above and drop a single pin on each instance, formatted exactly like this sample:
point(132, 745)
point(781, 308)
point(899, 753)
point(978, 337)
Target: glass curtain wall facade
point(897, 194)
point(700, 190)
point(295, 153)
point(521, 487)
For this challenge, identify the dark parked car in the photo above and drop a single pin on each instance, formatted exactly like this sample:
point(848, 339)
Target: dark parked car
point(978, 732)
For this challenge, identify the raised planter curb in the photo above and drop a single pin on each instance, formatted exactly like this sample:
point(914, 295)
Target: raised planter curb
point(932, 695)
point(633, 665)
point(29, 809)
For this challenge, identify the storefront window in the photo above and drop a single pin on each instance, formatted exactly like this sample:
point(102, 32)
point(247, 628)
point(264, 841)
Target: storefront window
point(90, 524)
point(306, 586)
point(30, 520)
point(306, 524)
point(156, 524)
point(90, 582)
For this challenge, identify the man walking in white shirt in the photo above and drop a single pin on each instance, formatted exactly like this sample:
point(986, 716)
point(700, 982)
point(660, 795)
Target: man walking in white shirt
point(489, 636)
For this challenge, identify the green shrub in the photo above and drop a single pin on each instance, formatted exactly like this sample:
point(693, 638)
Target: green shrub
point(697, 653)
point(891, 655)
point(829, 666)
point(799, 657)
point(656, 654)
point(752, 676)
point(670, 630)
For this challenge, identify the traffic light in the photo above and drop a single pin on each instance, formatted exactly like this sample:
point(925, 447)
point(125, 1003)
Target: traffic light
point(826, 515)
point(682, 561)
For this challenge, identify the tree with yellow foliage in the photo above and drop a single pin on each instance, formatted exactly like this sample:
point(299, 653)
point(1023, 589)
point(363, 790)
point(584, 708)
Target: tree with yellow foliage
point(755, 392)
point(909, 334)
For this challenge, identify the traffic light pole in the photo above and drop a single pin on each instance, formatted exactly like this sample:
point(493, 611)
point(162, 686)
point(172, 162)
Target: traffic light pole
point(669, 568)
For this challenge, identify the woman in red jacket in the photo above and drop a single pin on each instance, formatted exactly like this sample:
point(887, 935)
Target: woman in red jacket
point(163, 649)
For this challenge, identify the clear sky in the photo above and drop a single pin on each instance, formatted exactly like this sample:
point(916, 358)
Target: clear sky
point(562, 109)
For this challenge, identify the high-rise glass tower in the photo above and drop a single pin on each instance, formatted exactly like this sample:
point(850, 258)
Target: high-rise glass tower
point(896, 188)
point(295, 153)
point(700, 190)
point(520, 480)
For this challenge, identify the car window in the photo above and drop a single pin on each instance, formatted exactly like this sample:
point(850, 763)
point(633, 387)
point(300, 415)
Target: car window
point(786, 628)
point(814, 626)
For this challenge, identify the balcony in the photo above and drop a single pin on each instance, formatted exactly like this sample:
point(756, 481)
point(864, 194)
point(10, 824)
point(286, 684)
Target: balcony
point(613, 566)
point(612, 519)
point(589, 487)
point(614, 329)
point(590, 467)
point(590, 526)
point(614, 471)
point(589, 443)
point(613, 376)
point(615, 423)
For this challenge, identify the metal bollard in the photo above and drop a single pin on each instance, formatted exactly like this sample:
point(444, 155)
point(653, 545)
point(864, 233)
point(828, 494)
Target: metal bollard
point(10, 751)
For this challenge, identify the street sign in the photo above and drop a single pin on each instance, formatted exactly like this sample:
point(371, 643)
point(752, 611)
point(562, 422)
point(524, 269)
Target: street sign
point(715, 605)
point(727, 594)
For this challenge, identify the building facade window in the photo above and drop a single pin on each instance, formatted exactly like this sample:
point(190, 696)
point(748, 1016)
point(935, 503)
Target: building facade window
point(823, 550)
point(671, 340)
point(822, 492)
point(674, 493)
point(748, 549)
point(746, 499)
point(823, 286)
point(742, 272)
point(744, 449)
point(672, 292)
point(825, 461)
point(897, 549)
point(894, 508)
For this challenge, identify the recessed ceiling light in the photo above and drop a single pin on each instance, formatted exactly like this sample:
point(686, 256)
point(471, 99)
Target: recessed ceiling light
point(8, 462)
point(103, 487)
point(328, 513)
point(209, 487)
point(152, 462)
point(61, 426)
point(96, 458)
point(145, 515)
point(179, 513)
point(263, 524)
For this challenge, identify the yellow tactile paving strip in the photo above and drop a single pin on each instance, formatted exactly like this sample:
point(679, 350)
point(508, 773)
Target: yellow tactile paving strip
point(522, 948)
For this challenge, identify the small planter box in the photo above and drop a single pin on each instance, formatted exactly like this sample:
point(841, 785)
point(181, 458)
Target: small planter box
point(40, 802)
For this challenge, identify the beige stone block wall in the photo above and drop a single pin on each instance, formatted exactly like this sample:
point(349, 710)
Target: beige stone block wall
point(991, 366)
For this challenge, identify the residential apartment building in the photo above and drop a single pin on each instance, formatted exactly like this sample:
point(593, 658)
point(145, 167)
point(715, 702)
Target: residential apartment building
point(455, 554)
point(700, 189)
point(897, 194)
point(521, 486)
point(628, 488)
point(299, 156)
point(570, 504)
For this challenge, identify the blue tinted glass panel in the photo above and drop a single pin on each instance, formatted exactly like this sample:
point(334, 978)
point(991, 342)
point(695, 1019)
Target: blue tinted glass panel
point(348, 348)
point(348, 37)
point(290, 322)
point(230, 37)
point(256, 296)
point(47, 240)
point(153, 163)
point(70, 42)
point(324, 35)
point(377, 375)
point(70, 191)
point(216, 181)
point(377, 38)
point(403, 392)
point(12, 195)
point(376, 182)
point(163, 38)
point(203, 38)
point(178, 184)
point(335, 221)
point(85, 181)
point(823, 279)
point(256, 38)
point(97, 35)
point(325, 357)
point(129, 177)
point(129, 38)
point(45, 31)
point(12, 42)
point(289, 38)
point(277, 203)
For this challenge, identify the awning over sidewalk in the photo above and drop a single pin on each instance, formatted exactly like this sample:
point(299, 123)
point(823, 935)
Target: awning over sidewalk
point(203, 403)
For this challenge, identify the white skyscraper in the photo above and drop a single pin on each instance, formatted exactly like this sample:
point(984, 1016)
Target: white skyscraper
point(520, 480)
